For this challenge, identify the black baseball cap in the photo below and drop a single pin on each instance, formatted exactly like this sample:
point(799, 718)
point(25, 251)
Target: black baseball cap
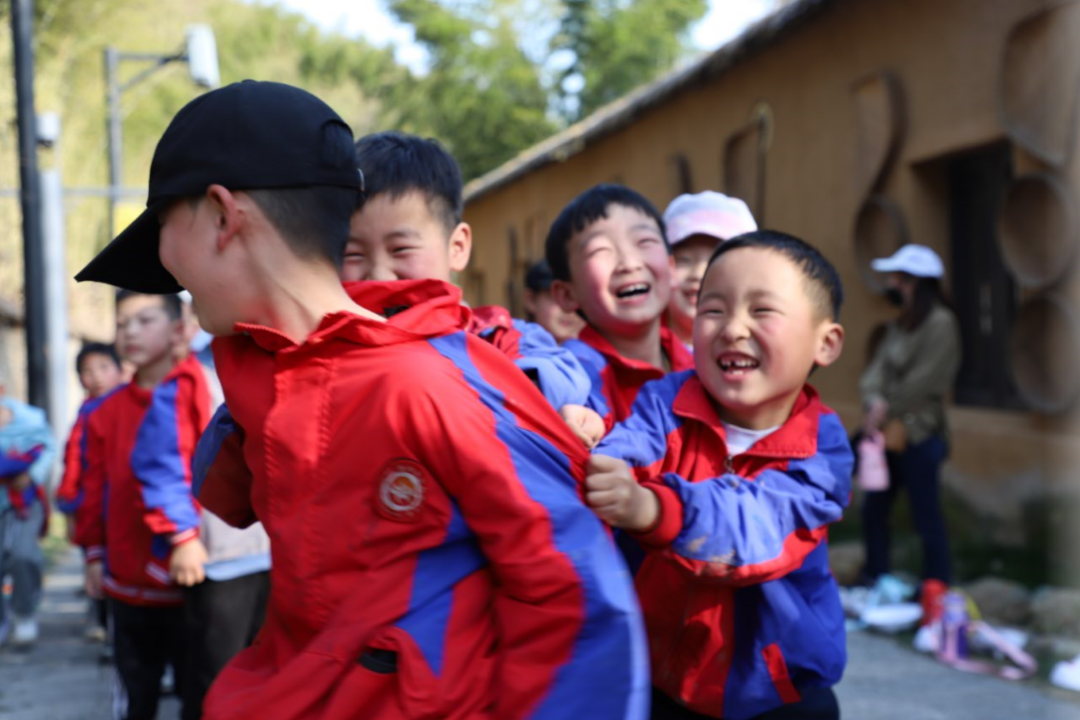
point(245, 136)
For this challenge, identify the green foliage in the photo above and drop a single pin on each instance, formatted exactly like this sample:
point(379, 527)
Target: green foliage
point(620, 44)
point(482, 96)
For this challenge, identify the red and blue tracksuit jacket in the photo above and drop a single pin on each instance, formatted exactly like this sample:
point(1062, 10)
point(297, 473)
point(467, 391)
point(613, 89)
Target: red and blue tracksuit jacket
point(614, 380)
point(741, 608)
point(69, 494)
point(137, 501)
point(432, 554)
point(15, 463)
point(554, 369)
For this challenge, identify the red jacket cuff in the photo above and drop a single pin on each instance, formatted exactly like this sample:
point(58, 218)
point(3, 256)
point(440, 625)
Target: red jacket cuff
point(182, 537)
point(669, 519)
point(95, 553)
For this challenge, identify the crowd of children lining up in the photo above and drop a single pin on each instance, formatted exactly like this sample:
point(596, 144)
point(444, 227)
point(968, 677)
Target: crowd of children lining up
point(618, 510)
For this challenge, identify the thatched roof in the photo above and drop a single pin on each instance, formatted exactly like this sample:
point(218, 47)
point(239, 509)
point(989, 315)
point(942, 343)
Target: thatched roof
point(620, 113)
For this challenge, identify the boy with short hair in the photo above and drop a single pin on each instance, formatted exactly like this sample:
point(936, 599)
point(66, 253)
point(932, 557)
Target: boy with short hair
point(541, 307)
point(695, 225)
point(609, 254)
point(410, 228)
point(431, 554)
point(99, 371)
point(28, 448)
point(739, 471)
point(139, 523)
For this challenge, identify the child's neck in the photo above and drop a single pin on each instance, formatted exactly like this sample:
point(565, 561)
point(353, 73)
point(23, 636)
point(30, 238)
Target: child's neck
point(683, 327)
point(643, 346)
point(766, 416)
point(295, 303)
point(152, 374)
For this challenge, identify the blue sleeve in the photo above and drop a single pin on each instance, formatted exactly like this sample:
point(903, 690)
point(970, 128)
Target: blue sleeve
point(745, 532)
point(207, 450)
point(562, 378)
point(42, 435)
point(641, 440)
point(593, 364)
point(161, 461)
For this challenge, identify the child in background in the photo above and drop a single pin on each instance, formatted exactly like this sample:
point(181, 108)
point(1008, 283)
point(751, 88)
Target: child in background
point(739, 471)
point(431, 554)
point(609, 255)
point(410, 228)
point(542, 309)
point(695, 225)
point(99, 371)
point(139, 523)
point(24, 513)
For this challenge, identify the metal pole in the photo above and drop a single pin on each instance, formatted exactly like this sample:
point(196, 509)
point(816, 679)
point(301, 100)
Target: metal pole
point(116, 158)
point(52, 208)
point(22, 18)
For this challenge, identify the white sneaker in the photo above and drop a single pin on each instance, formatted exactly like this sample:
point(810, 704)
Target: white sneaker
point(26, 631)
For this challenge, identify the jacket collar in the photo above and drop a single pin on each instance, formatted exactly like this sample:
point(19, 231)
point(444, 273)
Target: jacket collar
point(676, 352)
point(796, 438)
point(415, 309)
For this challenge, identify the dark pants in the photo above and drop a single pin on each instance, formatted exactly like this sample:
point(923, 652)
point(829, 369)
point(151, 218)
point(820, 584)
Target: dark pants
point(145, 639)
point(918, 469)
point(816, 704)
point(221, 618)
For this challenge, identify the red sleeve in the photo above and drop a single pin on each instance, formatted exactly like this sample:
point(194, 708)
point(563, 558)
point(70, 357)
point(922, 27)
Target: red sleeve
point(68, 492)
point(226, 489)
point(90, 516)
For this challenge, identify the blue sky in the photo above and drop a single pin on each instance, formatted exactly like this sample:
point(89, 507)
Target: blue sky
point(725, 19)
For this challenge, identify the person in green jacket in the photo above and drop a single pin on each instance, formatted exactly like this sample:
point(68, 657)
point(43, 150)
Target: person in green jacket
point(903, 392)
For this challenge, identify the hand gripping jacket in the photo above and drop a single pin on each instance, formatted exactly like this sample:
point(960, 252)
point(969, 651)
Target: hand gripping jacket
point(69, 494)
point(555, 370)
point(616, 380)
point(137, 501)
point(432, 556)
point(741, 608)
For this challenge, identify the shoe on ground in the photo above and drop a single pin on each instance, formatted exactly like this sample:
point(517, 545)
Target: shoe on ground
point(25, 632)
point(1067, 675)
point(95, 633)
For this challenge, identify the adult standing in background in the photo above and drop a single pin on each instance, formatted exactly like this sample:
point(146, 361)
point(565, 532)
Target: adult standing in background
point(903, 391)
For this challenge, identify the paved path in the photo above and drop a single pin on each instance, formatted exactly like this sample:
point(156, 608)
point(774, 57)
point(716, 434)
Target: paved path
point(60, 678)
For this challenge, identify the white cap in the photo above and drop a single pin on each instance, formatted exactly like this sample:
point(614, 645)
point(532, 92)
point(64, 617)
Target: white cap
point(917, 260)
point(707, 213)
point(185, 297)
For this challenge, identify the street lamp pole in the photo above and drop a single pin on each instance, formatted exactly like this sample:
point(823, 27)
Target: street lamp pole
point(22, 19)
point(200, 54)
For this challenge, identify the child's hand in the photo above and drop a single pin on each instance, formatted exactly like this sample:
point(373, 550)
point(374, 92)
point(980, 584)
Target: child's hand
point(95, 580)
point(586, 424)
point(20, 482)
point(616, 497)
point(187, 564)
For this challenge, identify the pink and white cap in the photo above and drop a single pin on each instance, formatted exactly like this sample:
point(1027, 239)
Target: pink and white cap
point(707, 213)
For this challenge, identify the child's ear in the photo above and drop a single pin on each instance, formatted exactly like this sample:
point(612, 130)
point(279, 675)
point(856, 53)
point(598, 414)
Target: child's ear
point(460, 247)
point(830, 344)
point(227, 216)
point(563, 293)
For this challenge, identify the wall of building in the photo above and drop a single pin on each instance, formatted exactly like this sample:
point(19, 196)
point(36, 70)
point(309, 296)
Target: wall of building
point(946, 60)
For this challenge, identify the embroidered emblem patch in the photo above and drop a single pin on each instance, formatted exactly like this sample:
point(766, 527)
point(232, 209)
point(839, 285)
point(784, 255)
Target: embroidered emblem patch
point(401, 491)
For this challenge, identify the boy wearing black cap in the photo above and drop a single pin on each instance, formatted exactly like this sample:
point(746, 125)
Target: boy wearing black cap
point(432, 556)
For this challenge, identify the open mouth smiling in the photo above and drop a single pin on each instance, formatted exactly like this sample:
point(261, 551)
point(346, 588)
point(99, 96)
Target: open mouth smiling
point(633, 290)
